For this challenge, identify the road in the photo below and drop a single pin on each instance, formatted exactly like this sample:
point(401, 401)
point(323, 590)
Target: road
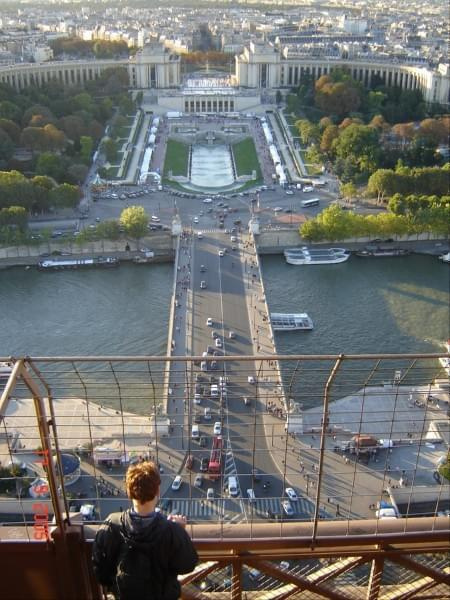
point(217, 274)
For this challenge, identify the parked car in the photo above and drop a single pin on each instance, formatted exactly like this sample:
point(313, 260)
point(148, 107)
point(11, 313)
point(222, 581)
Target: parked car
point(189, 462)
point(217, 428)
point(210, 494)
point(198, 481)
point(204, 462)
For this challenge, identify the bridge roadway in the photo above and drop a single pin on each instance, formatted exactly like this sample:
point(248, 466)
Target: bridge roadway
point(232, 299)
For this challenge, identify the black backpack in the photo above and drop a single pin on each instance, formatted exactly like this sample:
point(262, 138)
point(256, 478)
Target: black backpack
point(138, 573)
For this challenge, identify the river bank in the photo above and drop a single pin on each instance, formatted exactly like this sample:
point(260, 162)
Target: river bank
point(273, 241)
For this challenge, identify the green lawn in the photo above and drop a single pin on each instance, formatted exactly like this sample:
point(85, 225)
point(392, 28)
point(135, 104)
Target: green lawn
point(177, 156)
point(245, 158)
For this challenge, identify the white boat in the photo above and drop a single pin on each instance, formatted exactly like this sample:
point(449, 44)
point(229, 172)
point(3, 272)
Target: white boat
point(445, 257)
point(290, 322)
point(316, 256)
point(445, 361)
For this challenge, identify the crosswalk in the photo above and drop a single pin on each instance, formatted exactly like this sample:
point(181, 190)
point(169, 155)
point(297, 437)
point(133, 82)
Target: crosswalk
point(237, 509)
point(303, 508)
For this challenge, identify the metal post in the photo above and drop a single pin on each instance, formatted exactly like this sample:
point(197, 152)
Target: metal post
point(323, 435)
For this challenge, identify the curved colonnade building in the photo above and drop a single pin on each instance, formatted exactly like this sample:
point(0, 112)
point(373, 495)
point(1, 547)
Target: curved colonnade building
point(260, 70)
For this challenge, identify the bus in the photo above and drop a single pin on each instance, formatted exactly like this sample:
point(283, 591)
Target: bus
point(310, 202)
point(215, 459)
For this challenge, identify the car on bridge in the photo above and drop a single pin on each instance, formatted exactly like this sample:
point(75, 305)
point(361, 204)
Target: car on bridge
point(202, 284)
point(221, 253)
point(209, 322)
point(202, 268)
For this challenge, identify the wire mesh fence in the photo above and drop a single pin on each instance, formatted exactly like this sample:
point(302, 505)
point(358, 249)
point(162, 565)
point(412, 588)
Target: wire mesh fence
point(252, 440)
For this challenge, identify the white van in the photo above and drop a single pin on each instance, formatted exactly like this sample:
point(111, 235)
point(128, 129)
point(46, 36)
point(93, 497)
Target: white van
point(233, 489)
point(214, 390)
point(195, 434)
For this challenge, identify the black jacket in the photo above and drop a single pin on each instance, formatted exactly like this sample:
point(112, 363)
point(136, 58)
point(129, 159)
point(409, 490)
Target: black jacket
point(169, 544)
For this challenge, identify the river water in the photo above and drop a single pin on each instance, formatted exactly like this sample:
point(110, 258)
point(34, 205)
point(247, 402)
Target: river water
point(363, 305)
point(391, 305)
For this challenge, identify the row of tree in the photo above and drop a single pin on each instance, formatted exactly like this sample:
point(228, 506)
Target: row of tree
point(38, 194)
point(403, 180)
point(133, 223)
point(334, 223)
point(75, 46)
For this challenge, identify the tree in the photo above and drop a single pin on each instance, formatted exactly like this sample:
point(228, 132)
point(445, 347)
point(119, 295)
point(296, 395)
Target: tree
point(374, 102)
point(6, 147)
point(77, 173)
point(135, 221)
point(379, 122)
point(36, 109)
point(53, 165)
point(309, 132)
point(109, 230)
point(434, 131)
point(313, 155)
point(405, 131)
point(330, 133)
point(360, 144)
point(41, 187)
point(14, 215)
point(109, 147)
point(324, 123)
point(337, 98)
point(11, 128)
point(348, 190)
point(381, 183)
point(10, 111)
point(126, 105)
point(65, 196)
point(73, 127)
point(86, 148)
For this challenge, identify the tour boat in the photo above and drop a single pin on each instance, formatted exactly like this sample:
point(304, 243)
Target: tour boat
point(101, 261)
point(316, 256)
point(382, 252)
point(291, 322)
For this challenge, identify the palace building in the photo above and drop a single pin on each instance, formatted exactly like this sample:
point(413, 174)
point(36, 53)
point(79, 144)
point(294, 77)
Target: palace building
point(260, 70)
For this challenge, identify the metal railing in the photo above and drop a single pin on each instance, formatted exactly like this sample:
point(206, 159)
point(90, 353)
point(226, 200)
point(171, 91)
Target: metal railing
point(355, 437)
